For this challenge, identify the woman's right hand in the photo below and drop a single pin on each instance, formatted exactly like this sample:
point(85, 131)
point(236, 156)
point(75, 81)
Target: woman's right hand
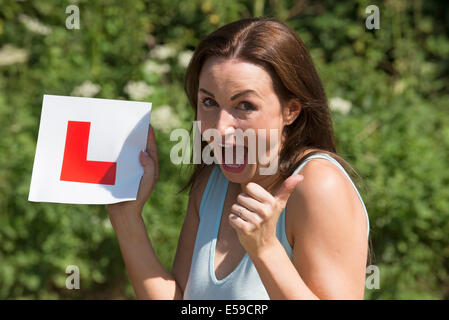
point(149, 161)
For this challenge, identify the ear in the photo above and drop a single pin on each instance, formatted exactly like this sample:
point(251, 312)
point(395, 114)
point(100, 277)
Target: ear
point(291, 111)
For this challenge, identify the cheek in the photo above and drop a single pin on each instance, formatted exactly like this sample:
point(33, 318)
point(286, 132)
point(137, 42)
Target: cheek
point(206, 124)
point(207, 118)
point(269, 142)
point(274, 130)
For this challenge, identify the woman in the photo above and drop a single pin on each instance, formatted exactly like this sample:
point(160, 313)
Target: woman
point(247, 235)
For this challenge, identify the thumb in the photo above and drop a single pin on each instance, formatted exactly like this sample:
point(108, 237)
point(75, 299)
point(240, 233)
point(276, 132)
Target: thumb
point(145, 158)
point(287, 187)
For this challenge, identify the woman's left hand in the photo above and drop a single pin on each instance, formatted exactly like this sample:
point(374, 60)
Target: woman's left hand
point(254, 217)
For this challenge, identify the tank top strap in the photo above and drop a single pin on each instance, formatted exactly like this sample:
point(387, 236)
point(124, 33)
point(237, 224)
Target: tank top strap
point(213, 200)
point(210, 200)
point(328, 157)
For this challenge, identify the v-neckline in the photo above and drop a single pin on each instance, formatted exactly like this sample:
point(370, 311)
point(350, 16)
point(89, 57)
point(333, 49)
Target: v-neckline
point(215, 238)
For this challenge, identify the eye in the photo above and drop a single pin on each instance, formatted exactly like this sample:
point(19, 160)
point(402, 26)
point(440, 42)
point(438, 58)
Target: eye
point(246, 106)
point(209, 102)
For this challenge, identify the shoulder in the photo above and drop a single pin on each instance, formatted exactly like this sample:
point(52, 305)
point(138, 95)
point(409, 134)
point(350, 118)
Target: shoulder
point(325, 200)
point(322, 179)
point(327, 226)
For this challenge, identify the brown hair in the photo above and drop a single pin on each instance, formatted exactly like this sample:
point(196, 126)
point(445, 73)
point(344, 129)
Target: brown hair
point(280, 51)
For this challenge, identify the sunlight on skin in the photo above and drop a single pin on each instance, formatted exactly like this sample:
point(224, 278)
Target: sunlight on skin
point(235, 94)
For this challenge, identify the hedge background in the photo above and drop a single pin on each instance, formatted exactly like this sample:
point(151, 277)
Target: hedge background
point(388, 91)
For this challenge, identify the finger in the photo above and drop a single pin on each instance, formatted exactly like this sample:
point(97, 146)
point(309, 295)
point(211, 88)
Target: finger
point(245, 214)
point(287, 187)
point(151, 144)
point(145, 159)
point(238, 211)
point(249, 202)
point(258, 192)
point(239, 224)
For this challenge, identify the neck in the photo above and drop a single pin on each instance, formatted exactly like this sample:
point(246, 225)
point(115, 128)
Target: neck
point(268, 182)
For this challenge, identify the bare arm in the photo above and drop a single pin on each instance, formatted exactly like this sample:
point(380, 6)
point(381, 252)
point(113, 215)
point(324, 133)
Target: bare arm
point(186, 244)
point(149, 278)
point(328, 229)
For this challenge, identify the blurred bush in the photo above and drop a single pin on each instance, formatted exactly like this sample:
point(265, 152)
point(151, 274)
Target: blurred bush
point(388, 95)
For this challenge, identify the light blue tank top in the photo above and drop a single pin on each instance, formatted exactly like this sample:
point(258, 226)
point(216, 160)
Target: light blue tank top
point(243, 283)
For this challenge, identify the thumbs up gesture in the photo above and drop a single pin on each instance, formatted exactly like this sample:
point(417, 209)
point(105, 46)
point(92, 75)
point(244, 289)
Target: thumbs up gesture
point(255, 215)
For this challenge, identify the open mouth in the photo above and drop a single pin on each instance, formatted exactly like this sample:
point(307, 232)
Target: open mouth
point(238, 156)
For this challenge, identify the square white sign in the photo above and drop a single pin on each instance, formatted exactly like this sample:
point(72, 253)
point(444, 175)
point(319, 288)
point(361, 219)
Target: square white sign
point(88, 150)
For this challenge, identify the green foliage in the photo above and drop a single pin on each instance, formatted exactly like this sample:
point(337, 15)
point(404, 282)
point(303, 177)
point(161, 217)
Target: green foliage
point(395, 134)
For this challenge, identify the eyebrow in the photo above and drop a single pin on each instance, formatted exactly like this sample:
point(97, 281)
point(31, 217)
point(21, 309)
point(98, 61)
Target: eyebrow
point(235, 96)
point(207, 92)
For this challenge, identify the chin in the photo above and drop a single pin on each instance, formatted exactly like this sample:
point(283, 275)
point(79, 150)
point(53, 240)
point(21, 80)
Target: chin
point(239, 176)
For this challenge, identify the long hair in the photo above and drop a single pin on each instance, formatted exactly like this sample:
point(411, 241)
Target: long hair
point(280, 51)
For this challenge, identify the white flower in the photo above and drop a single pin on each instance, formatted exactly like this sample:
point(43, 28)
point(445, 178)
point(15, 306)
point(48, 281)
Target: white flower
point(399, 87)
point(163, 118)
point(340, 105)
point(152, 67)
point(86, 89)
point(162, 52)
point(107, 223)
point(34, 25)
point(138, 90)
point(164, 68)
point(184, 58)
point(94, 219)
point(11, 55)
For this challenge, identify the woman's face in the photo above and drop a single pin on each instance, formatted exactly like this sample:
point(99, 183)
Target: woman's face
point(235, 94)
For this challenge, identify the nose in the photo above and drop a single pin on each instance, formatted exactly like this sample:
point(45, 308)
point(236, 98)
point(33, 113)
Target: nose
point(225, 123)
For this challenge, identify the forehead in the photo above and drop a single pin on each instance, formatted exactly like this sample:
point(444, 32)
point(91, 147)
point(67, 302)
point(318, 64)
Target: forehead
point(231, 74)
